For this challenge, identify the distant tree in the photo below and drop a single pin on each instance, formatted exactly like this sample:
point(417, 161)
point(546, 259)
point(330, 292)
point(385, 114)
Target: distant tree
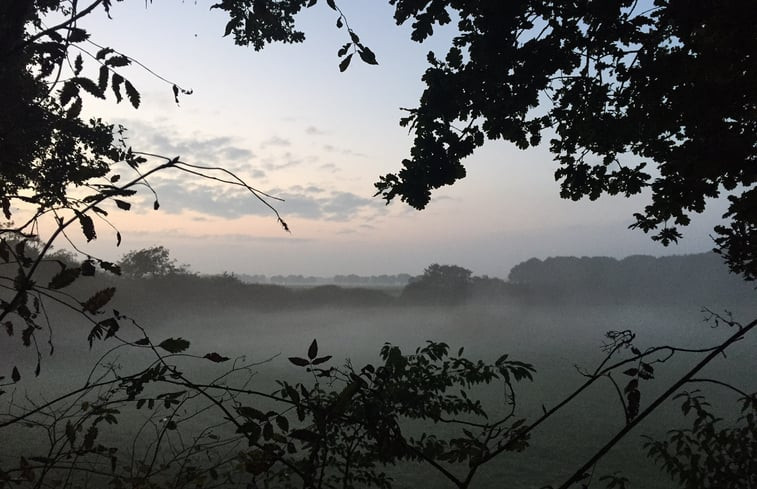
point(149, 262)
point(440, 284)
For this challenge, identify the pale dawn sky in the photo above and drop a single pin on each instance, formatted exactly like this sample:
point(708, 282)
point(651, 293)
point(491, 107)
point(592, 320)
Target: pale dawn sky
point(288, 122)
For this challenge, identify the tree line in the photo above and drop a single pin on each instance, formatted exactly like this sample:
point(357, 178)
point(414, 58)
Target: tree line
point(639, 279)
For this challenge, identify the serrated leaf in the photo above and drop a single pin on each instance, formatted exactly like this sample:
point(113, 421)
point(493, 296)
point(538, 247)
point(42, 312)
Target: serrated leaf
point(103, 52)
point(313, 350)
point(67, 92)
point(15, 375)
point(87, 227)
point(118, 60)
point(331, 4)
point(156, 205)
point(115, 84)
point(102, 79)
point(215, 357)
point(76, 34)
point(282, 423)
point(174, 345)
point(354, 38)
point(142, 342)
point(89, 86)
point(78, 64)
point(64, 278)
point(339, 23)
point(300, 362)
point(132, 93)
point(98, 300)
point(345, 62)
point(107, 328)
point(176, 94)
point(118, 238)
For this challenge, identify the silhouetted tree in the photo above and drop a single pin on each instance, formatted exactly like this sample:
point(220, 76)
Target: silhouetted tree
point(439, 284)
point(154, 261)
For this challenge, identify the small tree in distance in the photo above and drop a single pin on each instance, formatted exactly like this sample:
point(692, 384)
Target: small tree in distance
point(154, 261)
point(440, 284)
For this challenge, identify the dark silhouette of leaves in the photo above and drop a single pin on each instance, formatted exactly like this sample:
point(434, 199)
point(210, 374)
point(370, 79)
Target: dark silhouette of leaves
point(132, 94)
point(174, 345)
point(64, 278)
point(87, 226)
point(367, 56)
point(345, 62)
point(300, 362)
point(215, 357)
point(123, 205)
point(105, 329)
point(313, 350)
point(98, 300)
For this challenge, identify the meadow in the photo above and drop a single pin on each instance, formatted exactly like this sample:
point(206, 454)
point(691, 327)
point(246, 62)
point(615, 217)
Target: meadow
point(559, 340)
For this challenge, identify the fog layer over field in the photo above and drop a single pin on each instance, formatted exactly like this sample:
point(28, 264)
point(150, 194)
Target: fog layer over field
point(561, 334)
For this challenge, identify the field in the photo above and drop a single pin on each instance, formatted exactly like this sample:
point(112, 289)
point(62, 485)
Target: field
point(558, 341)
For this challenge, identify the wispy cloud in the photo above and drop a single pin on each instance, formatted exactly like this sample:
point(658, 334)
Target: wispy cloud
point(287, 160)
point(275, 141)
point(310, 202)
point(200, 149)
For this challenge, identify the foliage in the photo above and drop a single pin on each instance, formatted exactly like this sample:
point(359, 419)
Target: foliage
point(607, 69)
point(154, 261)
point(707, 454)
point(661, 99)
point(440, 284)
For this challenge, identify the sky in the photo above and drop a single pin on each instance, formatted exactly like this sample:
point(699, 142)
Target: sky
point(290, 124)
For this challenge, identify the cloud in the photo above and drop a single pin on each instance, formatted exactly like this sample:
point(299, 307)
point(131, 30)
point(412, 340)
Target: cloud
point(275, 141)
point(196, 149)
point(333, 149)
point(235, 237)
point(314, 131)
point(309, 202)
point(289, 161)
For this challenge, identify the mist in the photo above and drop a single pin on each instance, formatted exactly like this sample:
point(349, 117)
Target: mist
point(556, 314)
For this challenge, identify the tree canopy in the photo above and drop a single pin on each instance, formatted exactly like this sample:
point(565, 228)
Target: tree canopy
point(632, 96)
point(154, 261)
